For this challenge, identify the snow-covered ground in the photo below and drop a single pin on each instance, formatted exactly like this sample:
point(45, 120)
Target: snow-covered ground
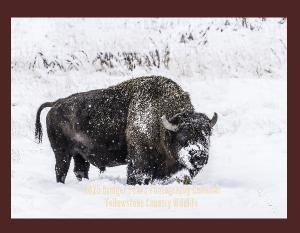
point(240, 73)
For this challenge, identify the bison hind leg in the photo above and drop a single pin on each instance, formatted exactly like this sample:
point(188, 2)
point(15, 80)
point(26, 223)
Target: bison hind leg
point(81, 167)
point(62, 165)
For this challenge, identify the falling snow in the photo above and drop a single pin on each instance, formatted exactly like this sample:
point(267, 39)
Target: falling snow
point(233, 70)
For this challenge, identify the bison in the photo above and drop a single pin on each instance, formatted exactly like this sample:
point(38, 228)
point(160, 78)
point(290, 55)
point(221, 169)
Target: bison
point(148, 123)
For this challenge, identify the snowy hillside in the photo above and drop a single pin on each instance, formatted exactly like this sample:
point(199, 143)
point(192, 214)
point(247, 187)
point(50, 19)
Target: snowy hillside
point(235, 67)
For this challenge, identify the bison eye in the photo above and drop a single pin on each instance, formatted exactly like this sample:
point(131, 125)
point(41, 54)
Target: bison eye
point(202, 138)
point(183, 140)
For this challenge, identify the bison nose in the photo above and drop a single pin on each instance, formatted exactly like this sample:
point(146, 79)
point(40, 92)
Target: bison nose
point(199, 159)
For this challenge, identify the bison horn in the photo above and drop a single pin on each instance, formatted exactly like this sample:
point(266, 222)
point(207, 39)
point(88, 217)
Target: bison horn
point(168, 125)
point(213, 120)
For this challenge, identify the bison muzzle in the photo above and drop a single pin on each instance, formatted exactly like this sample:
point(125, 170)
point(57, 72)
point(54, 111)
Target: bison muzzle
point(148, 123)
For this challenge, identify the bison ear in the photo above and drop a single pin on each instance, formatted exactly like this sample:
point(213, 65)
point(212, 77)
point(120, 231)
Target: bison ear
point(213, 120)
point(168, 125)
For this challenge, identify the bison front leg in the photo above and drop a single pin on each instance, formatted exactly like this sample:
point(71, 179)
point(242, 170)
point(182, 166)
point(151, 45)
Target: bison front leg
point(81, 167)
point(141, 136)
point(140, 169)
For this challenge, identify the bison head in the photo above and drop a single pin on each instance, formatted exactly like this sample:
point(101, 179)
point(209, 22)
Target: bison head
point(189, 137)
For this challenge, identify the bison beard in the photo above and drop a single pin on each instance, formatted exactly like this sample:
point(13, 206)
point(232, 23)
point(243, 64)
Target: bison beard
point(147, 123)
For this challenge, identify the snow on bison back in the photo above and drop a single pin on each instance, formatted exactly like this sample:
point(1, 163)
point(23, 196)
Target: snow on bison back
point(148, 123)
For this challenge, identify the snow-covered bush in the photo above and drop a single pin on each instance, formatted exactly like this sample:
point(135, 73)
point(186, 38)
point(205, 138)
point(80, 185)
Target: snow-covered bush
point(256, 47)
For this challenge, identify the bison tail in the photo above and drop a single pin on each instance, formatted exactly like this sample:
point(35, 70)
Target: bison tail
point(38, 125)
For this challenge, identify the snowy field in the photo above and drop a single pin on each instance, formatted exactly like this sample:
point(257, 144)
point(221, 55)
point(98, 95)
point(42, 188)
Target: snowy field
point(235, 67)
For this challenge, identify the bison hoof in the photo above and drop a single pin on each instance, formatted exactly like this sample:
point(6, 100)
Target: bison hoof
point(102, 169)
point(134, 181)
point(80, 175)
point(61, 179)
